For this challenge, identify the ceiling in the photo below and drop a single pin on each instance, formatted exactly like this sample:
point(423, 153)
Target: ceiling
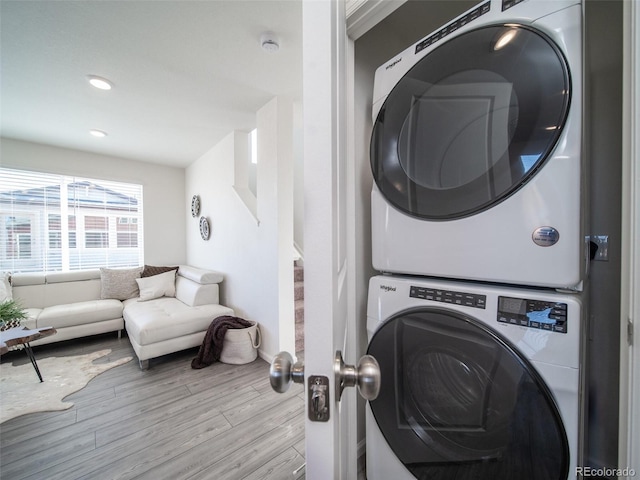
point(185, 73)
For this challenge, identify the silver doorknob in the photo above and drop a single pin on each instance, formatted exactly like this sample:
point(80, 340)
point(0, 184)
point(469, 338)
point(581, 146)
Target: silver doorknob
point(283, 371)
point(366, 375)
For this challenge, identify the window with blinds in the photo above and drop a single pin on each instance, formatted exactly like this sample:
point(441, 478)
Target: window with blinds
point(60, 223)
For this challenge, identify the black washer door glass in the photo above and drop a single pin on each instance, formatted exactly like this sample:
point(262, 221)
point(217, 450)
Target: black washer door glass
point(457, 401)
point(471, 122)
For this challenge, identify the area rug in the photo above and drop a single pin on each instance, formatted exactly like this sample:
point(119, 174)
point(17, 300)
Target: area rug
point(21, 392)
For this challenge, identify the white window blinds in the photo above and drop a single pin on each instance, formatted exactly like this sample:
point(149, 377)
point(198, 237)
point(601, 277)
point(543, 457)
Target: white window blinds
point(61, 223)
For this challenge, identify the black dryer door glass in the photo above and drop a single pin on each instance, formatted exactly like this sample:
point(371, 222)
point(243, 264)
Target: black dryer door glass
point(457, 401)
point(471, 122)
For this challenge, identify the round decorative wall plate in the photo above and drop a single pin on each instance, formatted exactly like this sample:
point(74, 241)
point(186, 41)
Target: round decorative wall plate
point(204, 228)
point(195, 206)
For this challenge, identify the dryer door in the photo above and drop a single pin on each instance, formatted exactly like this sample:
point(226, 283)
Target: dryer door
point(471, 122)
point(457, 401)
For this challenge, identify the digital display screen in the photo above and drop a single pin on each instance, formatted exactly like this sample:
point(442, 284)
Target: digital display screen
point(513, 305)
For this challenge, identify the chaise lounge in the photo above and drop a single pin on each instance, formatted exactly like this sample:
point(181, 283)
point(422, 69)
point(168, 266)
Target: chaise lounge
point(163, 310)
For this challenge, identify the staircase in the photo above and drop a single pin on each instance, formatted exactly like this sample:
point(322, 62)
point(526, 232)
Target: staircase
point(298, 288)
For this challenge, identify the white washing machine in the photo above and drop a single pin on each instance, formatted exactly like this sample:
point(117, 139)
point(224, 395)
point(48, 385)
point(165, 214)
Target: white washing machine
point(477, 381)
point(476, 149)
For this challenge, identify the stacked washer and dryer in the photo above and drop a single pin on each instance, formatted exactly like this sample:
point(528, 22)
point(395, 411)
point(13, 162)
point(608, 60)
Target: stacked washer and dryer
point(478, 230)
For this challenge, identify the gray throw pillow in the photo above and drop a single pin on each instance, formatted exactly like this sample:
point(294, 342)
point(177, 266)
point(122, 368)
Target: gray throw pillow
point(119, 283)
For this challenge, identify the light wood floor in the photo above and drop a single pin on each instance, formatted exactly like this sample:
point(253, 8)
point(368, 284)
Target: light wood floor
point(169, 422)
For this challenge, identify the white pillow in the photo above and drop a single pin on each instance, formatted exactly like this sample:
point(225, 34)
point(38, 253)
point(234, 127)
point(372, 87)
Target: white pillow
point(5, 287)
point(161, 285)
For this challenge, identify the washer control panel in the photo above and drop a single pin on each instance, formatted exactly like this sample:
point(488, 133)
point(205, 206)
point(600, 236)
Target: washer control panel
point(540, 314)
point(449, 296)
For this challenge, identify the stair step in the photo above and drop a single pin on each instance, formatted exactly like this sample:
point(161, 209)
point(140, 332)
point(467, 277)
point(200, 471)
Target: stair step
point(299, 311)
point(298, 273)
point(298, 288)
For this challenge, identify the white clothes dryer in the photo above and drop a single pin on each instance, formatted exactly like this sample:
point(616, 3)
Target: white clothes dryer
point(476, 149)
point(477, 381)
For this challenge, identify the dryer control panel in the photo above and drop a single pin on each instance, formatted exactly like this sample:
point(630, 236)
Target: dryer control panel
point(551, 316)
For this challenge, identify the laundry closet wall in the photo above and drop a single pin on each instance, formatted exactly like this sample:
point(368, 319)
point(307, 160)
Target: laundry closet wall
point(604, 147)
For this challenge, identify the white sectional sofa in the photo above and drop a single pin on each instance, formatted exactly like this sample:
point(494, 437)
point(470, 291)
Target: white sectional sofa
point(158, 320)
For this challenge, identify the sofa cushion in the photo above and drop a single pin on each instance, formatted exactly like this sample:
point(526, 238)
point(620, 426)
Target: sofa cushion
point(200, 275)
point(73, 276)
point(119, 283)
point(150, 270)
point(79, 313)
point(194, 294)
point(28, 279)
point(167, 318)
point(32, 317)
point(156, 286)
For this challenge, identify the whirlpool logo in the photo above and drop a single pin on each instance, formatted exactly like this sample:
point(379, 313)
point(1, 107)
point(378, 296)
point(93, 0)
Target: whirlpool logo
point(393, 64)
point(387, 288)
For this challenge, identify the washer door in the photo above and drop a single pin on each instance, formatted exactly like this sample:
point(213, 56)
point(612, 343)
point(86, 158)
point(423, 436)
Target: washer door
point(471, 122)
point(457, 401)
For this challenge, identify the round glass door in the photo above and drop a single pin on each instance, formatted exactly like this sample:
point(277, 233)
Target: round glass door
point(457, 401)
point(471, 122)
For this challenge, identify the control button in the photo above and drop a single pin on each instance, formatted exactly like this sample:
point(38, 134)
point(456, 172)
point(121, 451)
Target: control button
point(560, 328)
point(534, 324)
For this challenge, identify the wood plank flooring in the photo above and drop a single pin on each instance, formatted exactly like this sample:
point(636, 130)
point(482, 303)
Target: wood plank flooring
point(168, 422)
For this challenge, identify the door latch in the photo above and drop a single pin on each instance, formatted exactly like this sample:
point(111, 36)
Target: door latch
point(318, 401)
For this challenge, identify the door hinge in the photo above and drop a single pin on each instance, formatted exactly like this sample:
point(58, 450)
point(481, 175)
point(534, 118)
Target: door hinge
point(630, 331)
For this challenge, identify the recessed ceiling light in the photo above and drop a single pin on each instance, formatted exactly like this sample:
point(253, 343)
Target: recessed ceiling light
point(99, 82)
point(98, 133)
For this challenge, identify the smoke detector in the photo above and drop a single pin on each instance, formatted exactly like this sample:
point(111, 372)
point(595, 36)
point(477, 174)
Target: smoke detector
point(269, 42)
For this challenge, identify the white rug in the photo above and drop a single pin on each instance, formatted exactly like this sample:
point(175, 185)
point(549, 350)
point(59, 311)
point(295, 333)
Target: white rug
point(21, 391)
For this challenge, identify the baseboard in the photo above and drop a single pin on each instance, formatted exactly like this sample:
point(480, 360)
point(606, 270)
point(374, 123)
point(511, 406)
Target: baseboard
point(267, 358)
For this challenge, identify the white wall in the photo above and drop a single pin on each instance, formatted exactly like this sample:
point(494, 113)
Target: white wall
point(298, 178)
point(163, 190)
point(254, 256)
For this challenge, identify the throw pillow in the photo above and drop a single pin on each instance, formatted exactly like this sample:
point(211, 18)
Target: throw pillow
point(150, 270)
point(161, 285)
point(119, 283)
point(5, 287)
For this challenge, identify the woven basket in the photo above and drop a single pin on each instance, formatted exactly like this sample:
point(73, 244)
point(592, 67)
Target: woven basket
point(241, 345)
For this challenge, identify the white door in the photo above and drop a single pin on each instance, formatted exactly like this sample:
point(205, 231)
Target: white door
point(331, 434)
point(331, 442)
point(330, 445)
